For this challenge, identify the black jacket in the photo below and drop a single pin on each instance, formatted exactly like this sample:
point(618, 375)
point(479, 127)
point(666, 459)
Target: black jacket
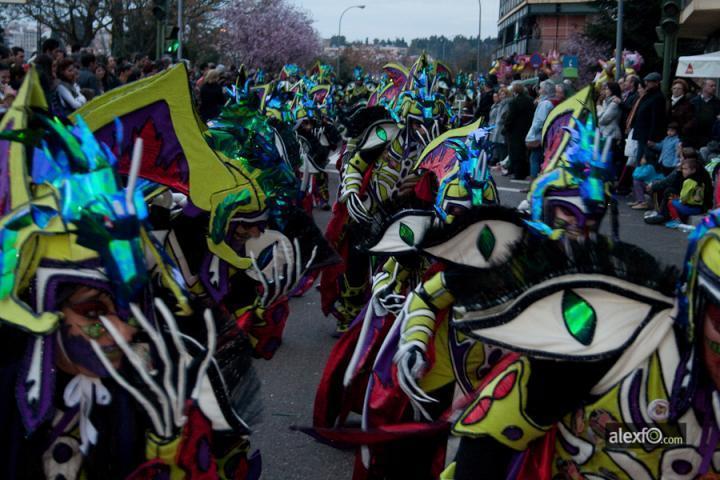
point(650, 117)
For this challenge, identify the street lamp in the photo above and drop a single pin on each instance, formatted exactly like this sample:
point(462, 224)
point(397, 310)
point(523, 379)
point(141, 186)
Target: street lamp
point(338, 37)
point(479, 36)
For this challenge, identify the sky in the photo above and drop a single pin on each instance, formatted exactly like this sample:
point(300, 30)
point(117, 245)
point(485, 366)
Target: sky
point(402, 18)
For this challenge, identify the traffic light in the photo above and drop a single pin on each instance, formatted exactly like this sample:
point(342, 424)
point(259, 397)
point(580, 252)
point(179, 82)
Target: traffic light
point(171, 42)
point(670, 22)
point(159, 10)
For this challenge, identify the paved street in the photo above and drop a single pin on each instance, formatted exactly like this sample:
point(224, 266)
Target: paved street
point(289, 380)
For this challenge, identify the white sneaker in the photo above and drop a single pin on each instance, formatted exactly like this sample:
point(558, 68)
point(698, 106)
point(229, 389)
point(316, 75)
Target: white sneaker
point(650, 213)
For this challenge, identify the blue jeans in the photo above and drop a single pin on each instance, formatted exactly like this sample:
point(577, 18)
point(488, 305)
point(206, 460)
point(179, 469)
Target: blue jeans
point(536, 158)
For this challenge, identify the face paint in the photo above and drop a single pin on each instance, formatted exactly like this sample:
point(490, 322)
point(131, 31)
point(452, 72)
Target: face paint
point(79, 351)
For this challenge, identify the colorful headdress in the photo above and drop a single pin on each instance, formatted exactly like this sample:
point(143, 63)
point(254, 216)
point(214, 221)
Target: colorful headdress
point(701, 275)
point(580, 184)
point(77, 212)
point(459, 161)
point(176, 155)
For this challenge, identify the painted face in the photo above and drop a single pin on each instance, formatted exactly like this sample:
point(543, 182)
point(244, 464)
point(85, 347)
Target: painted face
point(564, 219)
point(242, 232)
point(711, 342)
point(81, 323)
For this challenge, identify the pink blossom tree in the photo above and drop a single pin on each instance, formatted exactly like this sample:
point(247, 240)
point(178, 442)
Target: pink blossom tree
point(589, 52)
point(268, 34)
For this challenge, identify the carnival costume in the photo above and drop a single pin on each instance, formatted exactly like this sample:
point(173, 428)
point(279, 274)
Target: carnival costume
point(224, 213)
point(375, 175)
point(104, 387)
point(455, 165)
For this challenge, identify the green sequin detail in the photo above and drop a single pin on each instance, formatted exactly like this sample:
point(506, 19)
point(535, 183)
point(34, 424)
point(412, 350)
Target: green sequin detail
point(579, 316)
point(407, 234)
point(486, 242)
point(381, 133)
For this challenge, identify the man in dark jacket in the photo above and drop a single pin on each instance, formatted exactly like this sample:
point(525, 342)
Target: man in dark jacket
point(706, 107)
point(650, 117)
point(87, 77)
point(517, 124)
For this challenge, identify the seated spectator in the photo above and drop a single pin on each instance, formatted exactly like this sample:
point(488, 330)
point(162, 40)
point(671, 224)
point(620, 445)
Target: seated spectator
point(696, 193)
point(695, 196)
point(643, 176)
point(667, 148)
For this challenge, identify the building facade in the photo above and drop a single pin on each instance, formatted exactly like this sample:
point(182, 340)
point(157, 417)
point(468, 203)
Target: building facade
point(529, 26)
point(700, 20)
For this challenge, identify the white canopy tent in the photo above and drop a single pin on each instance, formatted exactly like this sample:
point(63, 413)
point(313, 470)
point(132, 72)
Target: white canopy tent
point(699, 66)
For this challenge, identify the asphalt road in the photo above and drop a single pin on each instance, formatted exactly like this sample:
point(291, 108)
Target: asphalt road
point(290, 378)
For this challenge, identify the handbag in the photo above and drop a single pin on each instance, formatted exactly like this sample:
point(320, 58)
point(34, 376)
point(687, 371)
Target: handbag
point(631, 148)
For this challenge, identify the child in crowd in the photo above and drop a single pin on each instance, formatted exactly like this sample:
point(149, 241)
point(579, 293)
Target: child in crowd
point(695, 196)
point(668, 149)
point(685, 192)
point(643, 176)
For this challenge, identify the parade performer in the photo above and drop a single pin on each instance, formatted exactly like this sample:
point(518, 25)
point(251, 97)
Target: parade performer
point(455, 169)
point(81, 399)
point(225, 217)
point(640, 361)
point(377, 174)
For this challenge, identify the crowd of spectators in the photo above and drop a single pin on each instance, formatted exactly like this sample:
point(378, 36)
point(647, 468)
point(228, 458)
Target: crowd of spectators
point(666, 149)
point(72, 78)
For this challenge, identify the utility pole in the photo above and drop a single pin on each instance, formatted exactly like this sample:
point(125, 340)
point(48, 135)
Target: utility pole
point(180, 30)
point(479, 42)
point(619, 67)
point(668, 33)
point(338, 37)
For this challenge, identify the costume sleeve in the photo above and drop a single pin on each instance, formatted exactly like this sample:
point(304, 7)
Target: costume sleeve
point(382, 280)
point(422, 306)
point(353, 176)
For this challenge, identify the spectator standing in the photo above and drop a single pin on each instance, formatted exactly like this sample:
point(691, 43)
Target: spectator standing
point(87, 78)
point(680, 108)
point(648, 123)
point(485, 103)
point(19, 54)
point(51, 48)
point(7, 94)
point(560, 94)
point(497, 137)
point(212, 98)
point(629, 98)
point(123, 73)
point(533, 139)
point(609, 120)
point(517, 124)
point(102, 78)
point(706, 107)
point(67, 90)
